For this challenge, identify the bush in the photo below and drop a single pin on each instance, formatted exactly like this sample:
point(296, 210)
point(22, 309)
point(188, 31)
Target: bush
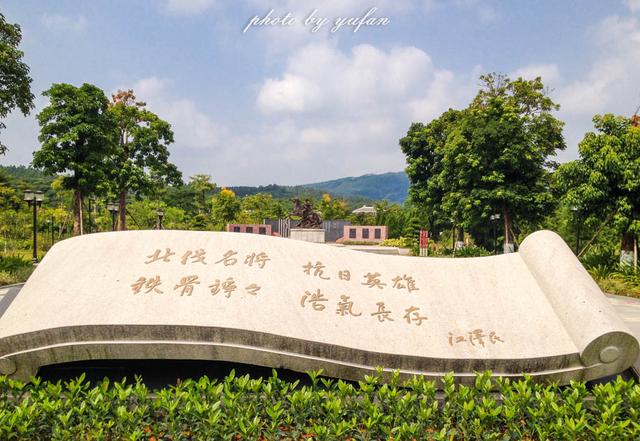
point(629, 274)
point(612, 277)
point(244, 408)
point(14, 269)
point(7, 278)
point(401, 242)
point(472, 251)
point(12, 264)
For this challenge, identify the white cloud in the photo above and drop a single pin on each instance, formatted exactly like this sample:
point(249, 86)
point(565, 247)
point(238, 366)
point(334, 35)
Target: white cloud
point(321, 79)
point(192, 127)
point(188, 7)
point(610, 85)
point(281, 39)
point(293, 93)
point(333, 113)
point(328, 113)
point(550, 73)
point(633, 5)
point(485, 12)
point(333, 8)
point(64, 23)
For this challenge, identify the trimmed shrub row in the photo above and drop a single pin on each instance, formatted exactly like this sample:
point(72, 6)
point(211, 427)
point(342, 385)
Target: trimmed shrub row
point(244, 408)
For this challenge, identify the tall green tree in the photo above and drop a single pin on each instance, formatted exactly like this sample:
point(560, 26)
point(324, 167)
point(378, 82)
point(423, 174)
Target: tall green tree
point(202, 185)
point(225, 207)
point(141, 158)
point(15, 82)
point(254, 209)
point(77, 136)
point(425, 146)
point(331, 208)
point(492, 157)
point(605, 180)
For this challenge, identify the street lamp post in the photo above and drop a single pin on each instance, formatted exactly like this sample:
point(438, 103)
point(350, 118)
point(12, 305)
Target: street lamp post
point(576, 211)
point(160, 214)
point(53, 227)
point(113, 209)
point(494, 218)
point(34, 199)
point(92, 198)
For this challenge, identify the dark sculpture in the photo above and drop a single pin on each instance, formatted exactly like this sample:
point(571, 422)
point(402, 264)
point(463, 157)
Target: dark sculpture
point(308, 217)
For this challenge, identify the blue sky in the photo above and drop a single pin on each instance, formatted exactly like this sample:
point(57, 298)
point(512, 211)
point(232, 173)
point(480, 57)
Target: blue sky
point(288, 106)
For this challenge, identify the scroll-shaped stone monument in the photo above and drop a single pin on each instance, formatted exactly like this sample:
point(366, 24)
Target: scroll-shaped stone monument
point(282, 303)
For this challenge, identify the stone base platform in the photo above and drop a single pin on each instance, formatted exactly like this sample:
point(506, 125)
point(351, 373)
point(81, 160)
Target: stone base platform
point(315, 235)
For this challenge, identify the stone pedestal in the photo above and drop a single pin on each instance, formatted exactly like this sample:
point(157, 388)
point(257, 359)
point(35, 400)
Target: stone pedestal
point(315, 235)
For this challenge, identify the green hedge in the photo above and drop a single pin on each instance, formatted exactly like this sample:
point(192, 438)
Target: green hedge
point(244, 408)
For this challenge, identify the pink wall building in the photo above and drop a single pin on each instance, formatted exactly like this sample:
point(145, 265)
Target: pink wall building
point(364, 233)
point(250, 228)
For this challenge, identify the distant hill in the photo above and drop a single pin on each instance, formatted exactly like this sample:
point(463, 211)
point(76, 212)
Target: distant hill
point(391, 186)
point(298, 191)
point(356, 190)
point(25, 178)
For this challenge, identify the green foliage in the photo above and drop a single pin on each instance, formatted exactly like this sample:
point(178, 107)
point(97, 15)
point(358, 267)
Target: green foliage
point(492, 157)
point(401, 242)
point(225, 208)
point(15, 83)
point(245, 408)
point(140, 160)
point(12, 264)
point(254, 209)
point(301, 192)
point(142, 215)
point(331, 208)
point(605, 180)
point(612, 276)
point(14, 269)
point(472, 251)
point(77, 134)
point(203, 187)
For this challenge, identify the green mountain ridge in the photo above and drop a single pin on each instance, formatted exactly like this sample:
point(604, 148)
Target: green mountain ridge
point(358, 190)
point(392, 186)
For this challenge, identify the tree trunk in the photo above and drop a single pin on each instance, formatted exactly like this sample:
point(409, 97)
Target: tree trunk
point(508, 244)
point(122, 211)
point(626, 249)
point(460, 238)
point(78, 227)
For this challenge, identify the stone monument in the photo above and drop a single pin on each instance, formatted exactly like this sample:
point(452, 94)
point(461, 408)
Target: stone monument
point(276, 302)
point(309, 227)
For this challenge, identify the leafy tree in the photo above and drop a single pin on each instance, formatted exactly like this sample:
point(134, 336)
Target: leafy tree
point(77, 136)
point(492, 157)
point(143, 213)
point(202, 185)
point(258, 207)
point(15, 83)
point(331, 209)
point(391, 215)
point(9, 197)
point(183, 197)
point(225, 207)
point(141, 158)
point(424, 146)
point(605, 180)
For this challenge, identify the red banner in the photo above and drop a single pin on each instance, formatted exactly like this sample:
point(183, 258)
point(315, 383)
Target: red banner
point(424, 239)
